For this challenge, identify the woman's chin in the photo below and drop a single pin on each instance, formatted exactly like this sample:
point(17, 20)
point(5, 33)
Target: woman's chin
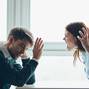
point(69, 48)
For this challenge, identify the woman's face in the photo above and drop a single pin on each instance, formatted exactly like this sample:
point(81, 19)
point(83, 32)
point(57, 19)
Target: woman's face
point(70, 40)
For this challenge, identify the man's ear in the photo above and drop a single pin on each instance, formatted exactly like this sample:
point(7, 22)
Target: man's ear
point(10, 40)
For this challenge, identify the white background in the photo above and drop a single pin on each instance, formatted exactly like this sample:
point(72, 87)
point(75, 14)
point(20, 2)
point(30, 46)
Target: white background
point(3, 20)
point(49, 17)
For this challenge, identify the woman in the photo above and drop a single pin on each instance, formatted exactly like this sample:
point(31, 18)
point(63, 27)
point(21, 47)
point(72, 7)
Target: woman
point(76, 37)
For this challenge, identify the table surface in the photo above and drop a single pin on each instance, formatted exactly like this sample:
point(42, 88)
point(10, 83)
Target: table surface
point(58, 84)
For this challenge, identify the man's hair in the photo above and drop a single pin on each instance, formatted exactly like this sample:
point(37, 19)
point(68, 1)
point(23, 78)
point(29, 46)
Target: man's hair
point(19, 33)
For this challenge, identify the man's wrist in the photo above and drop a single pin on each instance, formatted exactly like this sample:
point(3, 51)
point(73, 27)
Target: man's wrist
point(25, 57)
point(35, 59)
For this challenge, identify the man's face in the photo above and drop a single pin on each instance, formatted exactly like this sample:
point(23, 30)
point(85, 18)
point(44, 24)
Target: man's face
point(19, 47)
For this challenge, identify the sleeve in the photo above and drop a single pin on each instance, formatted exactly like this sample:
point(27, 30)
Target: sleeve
point(16, 76)
point(87, 64)
point(31, 80)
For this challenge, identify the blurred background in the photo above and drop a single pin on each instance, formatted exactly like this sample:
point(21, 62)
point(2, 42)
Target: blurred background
point(47, 19)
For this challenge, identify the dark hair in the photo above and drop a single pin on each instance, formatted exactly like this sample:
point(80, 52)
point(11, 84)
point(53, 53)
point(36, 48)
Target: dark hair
point(74, 29)
point(21, 34)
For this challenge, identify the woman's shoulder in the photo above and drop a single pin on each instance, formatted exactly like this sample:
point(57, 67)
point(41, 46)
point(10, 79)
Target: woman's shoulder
point(85, 56)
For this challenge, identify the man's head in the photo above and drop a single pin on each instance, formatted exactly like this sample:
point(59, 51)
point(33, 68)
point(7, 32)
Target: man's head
point(19, 39)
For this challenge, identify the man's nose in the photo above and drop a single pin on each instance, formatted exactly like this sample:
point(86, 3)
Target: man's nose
point(22, 51)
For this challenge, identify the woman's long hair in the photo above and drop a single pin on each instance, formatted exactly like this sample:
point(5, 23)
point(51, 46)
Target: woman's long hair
point(74, 29)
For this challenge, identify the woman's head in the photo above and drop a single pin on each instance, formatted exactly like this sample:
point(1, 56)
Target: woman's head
point(71, 33)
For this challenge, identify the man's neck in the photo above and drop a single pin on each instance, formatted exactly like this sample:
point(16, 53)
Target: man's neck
point(11, 53)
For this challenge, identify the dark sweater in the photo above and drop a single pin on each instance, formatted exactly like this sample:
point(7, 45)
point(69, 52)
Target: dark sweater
point(12, 73)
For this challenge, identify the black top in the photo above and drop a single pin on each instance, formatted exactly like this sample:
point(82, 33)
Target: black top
point(12, 73)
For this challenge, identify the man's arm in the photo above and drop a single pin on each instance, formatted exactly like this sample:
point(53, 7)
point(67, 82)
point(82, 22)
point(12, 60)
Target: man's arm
point(12, 75)
point(31, 80)
point(37, 51)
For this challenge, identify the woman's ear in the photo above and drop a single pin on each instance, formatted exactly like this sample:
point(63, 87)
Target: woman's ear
point(75, 40)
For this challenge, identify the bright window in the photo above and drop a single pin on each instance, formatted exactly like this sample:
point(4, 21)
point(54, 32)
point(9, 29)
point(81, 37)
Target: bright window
point(3, 20)
point(49, 17)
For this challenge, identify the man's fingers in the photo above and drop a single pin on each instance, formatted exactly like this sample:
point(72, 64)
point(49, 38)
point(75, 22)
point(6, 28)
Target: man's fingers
point(38, 43)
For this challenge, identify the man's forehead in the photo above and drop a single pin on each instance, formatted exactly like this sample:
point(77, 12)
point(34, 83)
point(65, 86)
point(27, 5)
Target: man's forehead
point(23, 42)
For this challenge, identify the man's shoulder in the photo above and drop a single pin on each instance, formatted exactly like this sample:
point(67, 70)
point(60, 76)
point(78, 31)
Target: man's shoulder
point(2, 58)
point(1, 54)
point(1, 49)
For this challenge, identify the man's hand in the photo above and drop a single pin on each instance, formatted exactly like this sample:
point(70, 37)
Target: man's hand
point(37, 50)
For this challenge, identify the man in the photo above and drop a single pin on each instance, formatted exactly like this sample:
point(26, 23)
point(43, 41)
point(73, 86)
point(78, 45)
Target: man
point(12, 73)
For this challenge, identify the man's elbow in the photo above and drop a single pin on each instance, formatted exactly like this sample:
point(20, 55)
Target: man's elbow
point(20, 85)
point(30, 82)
